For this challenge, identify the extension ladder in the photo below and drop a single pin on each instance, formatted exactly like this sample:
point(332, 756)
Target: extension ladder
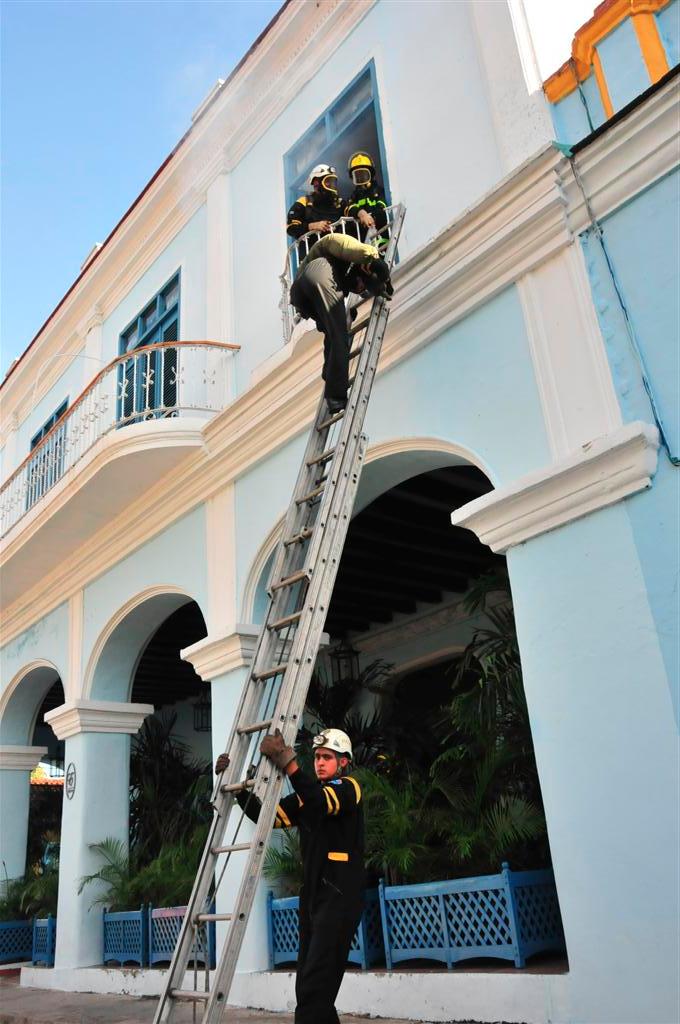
point(300, 587)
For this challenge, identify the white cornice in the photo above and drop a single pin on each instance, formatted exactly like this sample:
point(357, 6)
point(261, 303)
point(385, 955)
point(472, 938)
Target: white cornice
point(302, 39)
point(215, 656)
point(625, 159)
point(96, 716)
point(599, 474)
point(21, 759)
point(511, 230)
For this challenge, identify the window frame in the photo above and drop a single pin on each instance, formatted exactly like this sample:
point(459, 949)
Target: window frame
point(153, 334)
point(292, 190)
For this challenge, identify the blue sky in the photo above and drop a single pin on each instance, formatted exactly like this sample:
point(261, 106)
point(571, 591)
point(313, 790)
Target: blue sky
point(94, 97)
point(95, 94)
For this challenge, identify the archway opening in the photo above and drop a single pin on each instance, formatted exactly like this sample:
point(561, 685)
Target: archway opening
point(423, 672)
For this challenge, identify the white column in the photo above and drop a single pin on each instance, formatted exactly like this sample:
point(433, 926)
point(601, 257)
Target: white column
point(96, 807)
point(223, 661)
point(16, 765)
point(219, 304)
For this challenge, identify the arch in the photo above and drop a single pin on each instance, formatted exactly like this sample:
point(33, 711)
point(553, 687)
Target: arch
point(121, 643)
point(22, 699)
point(399, 458)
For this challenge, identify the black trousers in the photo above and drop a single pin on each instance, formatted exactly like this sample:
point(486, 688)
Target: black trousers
point(315, 294)
point(325, 939)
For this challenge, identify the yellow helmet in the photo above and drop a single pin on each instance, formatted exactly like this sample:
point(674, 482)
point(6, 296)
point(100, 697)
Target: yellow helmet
point(361, 168)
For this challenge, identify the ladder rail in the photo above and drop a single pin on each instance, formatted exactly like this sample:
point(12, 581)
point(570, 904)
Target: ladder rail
point(268, 698)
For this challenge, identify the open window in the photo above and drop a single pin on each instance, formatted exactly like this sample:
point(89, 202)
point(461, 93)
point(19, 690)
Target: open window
point(351, 123)
point(148, 381)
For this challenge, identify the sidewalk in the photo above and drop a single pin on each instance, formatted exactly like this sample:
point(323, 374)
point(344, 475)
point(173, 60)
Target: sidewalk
point(40, 1006)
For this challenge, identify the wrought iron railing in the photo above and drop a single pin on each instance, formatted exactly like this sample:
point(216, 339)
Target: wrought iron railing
point(160, 381)
point(298, 249)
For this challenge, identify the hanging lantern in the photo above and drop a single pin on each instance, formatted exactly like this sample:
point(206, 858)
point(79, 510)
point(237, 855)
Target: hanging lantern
point(203, 713)
point(344, 662)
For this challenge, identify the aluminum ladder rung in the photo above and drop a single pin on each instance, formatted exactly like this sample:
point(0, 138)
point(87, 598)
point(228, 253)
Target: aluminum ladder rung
point(203, 918)
point(188, 996)
point(331, 420)
point(269, 673)
point(231, 848)
point(287, 620)
point(237, 787)
point(324, 457)
point(311, 495)
point(299, 538)
point(356, 328)
point(296, 577)
point(246, 730)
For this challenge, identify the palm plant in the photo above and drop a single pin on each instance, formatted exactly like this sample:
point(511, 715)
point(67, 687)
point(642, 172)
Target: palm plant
point(283, 864)
point(113, 877)
point(169, 789)
point(396, 825)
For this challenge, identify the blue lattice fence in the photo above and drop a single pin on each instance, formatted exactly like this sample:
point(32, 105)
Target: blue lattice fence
point(126, 937)
point(164, 926)
point(16, 941)
point(283, 929)
point(511, 916)
point(44, 940)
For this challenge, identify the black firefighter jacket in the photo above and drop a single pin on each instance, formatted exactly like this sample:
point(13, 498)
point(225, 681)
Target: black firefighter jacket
point(331, 822)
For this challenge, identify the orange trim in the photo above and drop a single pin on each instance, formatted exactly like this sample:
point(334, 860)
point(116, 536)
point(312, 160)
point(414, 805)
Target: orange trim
point(651, 46)
point(602, 86)
point(338, 856)
point(607, 17)
point(83, 394)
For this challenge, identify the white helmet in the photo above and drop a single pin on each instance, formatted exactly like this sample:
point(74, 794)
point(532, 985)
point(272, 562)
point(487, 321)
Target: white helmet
point(328, 175)
point(335, 740)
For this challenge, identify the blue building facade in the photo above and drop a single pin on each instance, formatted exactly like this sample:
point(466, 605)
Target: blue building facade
point(533, 338)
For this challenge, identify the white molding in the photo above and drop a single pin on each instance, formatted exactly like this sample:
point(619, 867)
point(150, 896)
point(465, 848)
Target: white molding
point(625, 159)
point(601, 473)
point(78, 716)
point(141, 597)
point(21, 759)
point(217, 655)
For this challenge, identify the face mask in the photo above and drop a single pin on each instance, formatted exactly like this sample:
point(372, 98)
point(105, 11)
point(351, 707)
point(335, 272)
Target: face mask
point(361, 176)
point(329, 183)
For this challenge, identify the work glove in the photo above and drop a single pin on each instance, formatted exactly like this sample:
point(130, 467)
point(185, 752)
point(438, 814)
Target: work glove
point(274, 747)
point(221, 764)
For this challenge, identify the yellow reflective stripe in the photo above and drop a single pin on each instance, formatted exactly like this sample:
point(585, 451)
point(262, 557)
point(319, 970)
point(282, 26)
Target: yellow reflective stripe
point(334, 798)
point(328, 799)
point(284, 817)
point(338, 856)
point(357, 787)
point(277, 822)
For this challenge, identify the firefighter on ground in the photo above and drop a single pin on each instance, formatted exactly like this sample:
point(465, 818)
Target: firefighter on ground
point(335, 266)
point(367, 202)
point(328, 812)
point(320, 208)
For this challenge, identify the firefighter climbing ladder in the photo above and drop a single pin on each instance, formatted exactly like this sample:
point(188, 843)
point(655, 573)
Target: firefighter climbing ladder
point(300, 587)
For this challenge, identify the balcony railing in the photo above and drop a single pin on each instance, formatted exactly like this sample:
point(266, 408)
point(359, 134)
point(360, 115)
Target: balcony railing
point(160, 381)
point(300, 248)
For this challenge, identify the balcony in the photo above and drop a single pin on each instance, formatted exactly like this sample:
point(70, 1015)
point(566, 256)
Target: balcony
point(138, 419)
